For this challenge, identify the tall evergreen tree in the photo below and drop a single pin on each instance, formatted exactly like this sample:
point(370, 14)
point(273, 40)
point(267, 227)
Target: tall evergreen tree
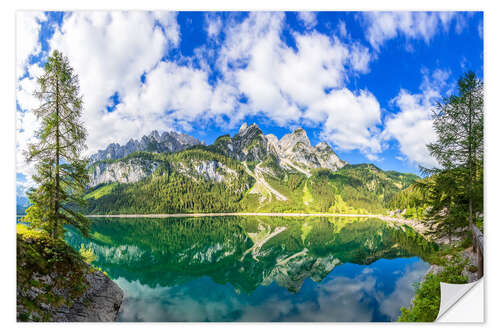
point(447, 198)
point(60, 171)
point(458, 122)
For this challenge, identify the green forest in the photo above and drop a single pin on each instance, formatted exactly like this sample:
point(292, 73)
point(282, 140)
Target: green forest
point(362, 188)
point(447, 201)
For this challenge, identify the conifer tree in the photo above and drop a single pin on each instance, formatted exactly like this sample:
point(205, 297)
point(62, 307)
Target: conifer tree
point(59, 169)
point(446, 196)
point(458, 122)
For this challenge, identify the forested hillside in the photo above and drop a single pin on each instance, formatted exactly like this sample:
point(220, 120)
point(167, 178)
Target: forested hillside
point(250, 172)
point(176, 186)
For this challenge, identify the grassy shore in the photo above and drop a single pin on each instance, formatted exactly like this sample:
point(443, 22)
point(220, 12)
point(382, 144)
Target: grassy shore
point(415, 224)
point(57, 283)
point(449, 265)
point(50, 274)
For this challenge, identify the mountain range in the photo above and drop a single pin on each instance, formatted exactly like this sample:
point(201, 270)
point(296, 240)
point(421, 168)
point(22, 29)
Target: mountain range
point(166, 142)
point(245, 252)
point(250, 171)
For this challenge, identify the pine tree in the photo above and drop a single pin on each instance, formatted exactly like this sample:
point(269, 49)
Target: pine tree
point(59, 170)
point(458, 122)
point(447, 198)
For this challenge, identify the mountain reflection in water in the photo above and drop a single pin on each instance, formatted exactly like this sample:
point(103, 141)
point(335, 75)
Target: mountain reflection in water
point(258, 268)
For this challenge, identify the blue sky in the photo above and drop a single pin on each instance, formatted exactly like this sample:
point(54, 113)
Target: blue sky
point(364, 82)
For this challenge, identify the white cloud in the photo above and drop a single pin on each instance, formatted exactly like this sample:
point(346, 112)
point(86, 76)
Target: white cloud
point(168, 21)
point(446, 18)
point(171, 94)
point(318, 64)
point(27, 31)
point(382, 26)
point(412, 127)
point(404, 290)
point(27, 86)
point(252, 60)
point(461, 23)
point(213, 24)
point(26, 122)
point(349, 120)
point(290, 86)
point(308, 19)
point(342, 29)
point(110, 51)
point(279, 80)
point(360, 58)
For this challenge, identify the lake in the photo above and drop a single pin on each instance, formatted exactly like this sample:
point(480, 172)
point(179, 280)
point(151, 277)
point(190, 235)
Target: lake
point(236, 268)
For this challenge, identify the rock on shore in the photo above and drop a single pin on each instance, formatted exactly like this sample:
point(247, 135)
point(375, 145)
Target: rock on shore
point(100, 302)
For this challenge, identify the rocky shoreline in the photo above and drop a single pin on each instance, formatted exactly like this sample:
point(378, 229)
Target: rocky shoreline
point(418, 226)
point(473, 261)
point(55, 284)
point(415, 224)
point(100, 302)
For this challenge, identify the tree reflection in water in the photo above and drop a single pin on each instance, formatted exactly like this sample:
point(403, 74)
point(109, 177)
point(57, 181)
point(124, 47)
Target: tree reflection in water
point(258, 268)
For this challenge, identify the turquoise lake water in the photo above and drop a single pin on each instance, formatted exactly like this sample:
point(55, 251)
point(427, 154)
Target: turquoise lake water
point(258, 268)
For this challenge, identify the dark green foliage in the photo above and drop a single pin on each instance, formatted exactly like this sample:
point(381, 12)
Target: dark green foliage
point(61, 174)
point(321, 186)
point(40, 255)
point(362, 187)
point(454, 192)
point(272, 164)
point(448, 203)
point(458, 122)
point(251, 165)
point(175, 250)
point(425, 306)
point(170, 191)
point(354, 189)
point(414, 200)
point(219, 146)
point(295, 181)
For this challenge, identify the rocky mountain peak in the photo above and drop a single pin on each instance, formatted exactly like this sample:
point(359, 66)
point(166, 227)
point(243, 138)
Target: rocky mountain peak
point(323, 146)
point(155, 136)
point(299, 131)
point(154, 142)
point(250, 144)
point(289, 141)
point(243, 127)
point(272, 140)
point(296, 148)
point(294, 151)
point(248, 132)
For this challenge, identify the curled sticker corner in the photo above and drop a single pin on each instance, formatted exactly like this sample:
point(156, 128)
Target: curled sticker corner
point(451, 294)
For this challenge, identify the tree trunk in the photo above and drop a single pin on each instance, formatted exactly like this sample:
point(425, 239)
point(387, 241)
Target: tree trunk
point(56, 212)
point(470, 224)
point(471, 179)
